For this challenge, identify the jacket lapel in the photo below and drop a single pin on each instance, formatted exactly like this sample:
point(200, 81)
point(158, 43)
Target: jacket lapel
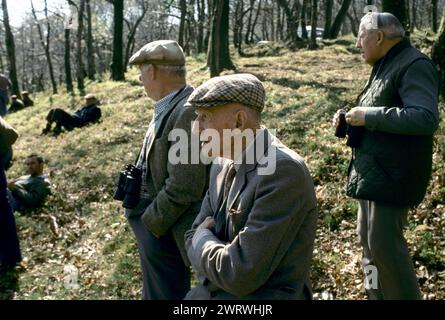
point(184, 93)
point(240, 178)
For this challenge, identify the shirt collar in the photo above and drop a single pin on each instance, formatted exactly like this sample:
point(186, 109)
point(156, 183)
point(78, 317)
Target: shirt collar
point(160, 105)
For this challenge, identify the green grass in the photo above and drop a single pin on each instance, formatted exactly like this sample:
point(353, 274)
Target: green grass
point(304, 88)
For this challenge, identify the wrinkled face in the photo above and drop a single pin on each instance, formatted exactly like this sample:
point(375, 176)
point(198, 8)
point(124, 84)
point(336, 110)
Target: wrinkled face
point(146, 77)
point(33, 166)
point(367, 41)
point(210, 125)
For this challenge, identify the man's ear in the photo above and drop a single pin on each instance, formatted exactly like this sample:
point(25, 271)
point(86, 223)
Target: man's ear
point(241, 120)
point(380, 38)
point(154, 72)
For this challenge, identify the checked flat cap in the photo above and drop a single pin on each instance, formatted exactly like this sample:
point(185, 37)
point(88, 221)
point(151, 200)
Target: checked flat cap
point(241, 88)
point(162, 52)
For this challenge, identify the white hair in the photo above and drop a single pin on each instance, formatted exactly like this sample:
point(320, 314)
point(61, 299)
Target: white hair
point(174, 70)
point(384, 22)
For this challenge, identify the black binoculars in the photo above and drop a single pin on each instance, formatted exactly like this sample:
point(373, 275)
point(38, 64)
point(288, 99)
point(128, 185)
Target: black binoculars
point(129, 186)
point(354, 133)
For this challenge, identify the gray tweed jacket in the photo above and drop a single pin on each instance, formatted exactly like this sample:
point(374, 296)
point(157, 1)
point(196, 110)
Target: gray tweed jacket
point(271, 220)
point(180, 188)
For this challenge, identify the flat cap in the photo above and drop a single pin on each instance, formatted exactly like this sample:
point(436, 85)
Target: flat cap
point(90, 96)
point(25, 92)
point(13, 96)
point(243, 88)
point(163, 52)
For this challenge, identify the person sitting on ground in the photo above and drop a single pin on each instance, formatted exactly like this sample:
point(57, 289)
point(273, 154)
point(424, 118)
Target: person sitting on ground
point(26, 99)
point(16, 104)
point(90, 113)
point(29, 192)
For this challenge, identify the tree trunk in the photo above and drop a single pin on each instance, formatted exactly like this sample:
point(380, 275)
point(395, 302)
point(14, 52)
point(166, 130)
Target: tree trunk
point(254, 23)
point(413, 15)
point(80, 71)
point(438, 53)
point(131, 34)
point(249, 21)
point(201, 16)
point(238, 26)
point(329, 4)
point(292, 24)
point(336, 26)
point(399, 9)
point(314, 16)
point(183, 8)
point(45, 46)
point(10, 50)
point(434, 17)
point(303, 20)
point(91, 68)
point(68, 77)
point(219, 54)
point(117, 69)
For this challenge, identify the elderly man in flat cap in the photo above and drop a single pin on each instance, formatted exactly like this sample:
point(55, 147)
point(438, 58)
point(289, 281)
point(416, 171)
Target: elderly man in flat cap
point(170, 193)
point(254, 235)
point(90, 113)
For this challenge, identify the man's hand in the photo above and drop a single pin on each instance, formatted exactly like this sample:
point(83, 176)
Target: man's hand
point(11, 185)
point(356, 116)
point(336, 118)
point(208, 223)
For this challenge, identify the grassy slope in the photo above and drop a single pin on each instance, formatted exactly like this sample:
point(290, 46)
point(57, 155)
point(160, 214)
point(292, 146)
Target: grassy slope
point(82, 225)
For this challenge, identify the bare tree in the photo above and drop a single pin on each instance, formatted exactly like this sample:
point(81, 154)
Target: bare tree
point(218, 57)
point(329, 4)
point(201, 17)
point(132, 32)
point(304, 34)
point(434, 15)
point(339, 18)
point(314, 17)
point(91, 68)
point(291, 22)
point(181, 32)
point(10, 50)
point(117, 69)
point(45, 42)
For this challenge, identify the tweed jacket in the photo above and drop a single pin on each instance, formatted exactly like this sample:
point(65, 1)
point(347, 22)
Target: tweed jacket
point(179, 187)
point(272, 220)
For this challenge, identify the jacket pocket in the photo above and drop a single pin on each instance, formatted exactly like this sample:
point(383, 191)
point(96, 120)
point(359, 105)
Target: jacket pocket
point(369, 180)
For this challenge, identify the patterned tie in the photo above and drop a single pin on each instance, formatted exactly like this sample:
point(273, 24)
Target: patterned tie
point(221, 230)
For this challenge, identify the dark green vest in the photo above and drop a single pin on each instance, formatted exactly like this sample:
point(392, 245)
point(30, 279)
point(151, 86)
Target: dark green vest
point(390, 168)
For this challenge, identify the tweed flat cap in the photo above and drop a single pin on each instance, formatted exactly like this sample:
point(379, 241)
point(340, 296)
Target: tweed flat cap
point(240, 88)
point(163, 52)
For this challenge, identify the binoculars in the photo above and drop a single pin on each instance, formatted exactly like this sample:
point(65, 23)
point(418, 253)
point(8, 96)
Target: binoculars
point(354, 133)
point(129, 186)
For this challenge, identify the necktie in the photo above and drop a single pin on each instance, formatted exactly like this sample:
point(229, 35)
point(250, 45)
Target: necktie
point(221, 216)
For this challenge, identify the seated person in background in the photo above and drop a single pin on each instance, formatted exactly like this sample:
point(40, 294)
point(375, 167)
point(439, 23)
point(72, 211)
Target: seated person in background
point(90, 113)
point(29, 192)
point(26, 99)
point(16, 104)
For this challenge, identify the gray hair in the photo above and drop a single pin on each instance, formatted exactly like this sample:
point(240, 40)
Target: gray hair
point(384, 22)
point(178, 71)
